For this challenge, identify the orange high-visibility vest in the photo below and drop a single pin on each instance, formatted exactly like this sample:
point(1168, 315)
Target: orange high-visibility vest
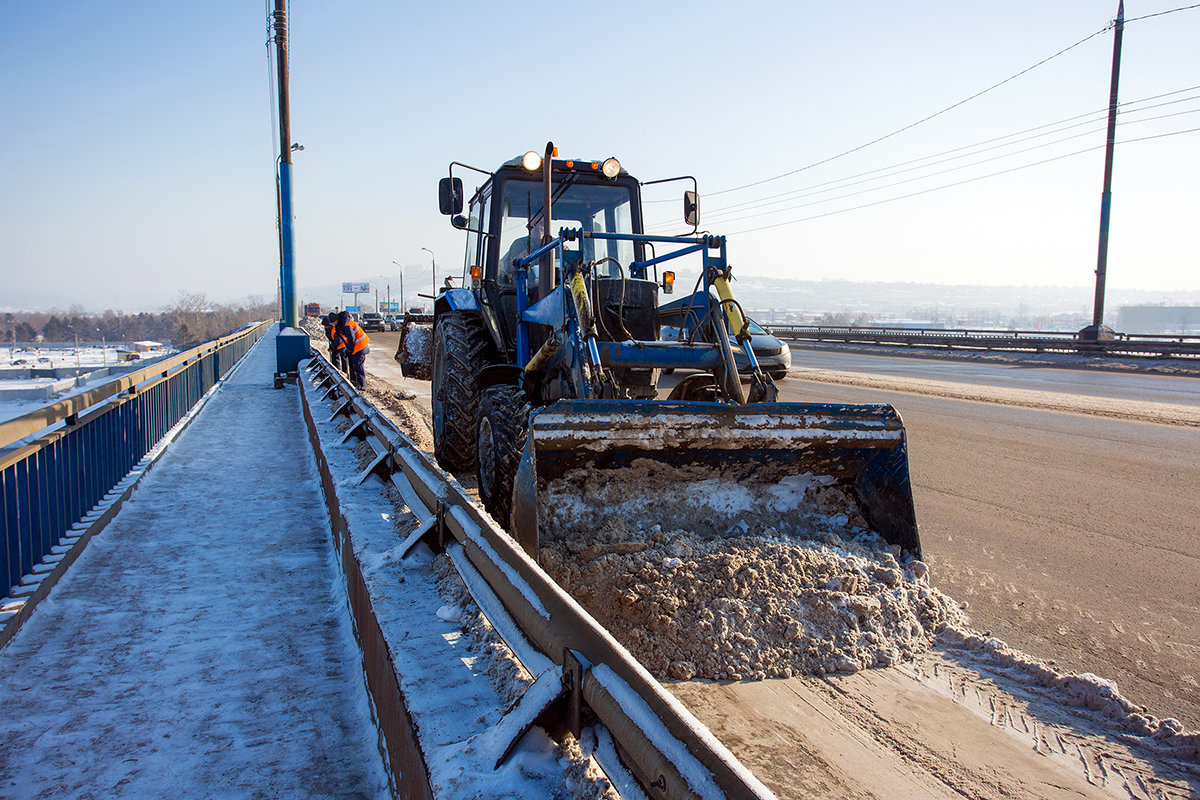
point(360, 337)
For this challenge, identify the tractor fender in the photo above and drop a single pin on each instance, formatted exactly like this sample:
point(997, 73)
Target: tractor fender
point(455, 300)
point(498, 375)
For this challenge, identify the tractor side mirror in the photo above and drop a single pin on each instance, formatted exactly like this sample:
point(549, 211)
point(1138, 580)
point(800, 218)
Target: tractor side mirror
point(459, 221)
point(450, 196)
point(691, 209)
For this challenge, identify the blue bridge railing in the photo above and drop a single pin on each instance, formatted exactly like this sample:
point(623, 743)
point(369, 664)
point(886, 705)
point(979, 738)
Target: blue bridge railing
point(85, 445)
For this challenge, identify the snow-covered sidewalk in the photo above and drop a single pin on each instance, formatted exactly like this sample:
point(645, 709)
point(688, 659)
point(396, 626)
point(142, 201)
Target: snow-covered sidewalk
point(200, 646)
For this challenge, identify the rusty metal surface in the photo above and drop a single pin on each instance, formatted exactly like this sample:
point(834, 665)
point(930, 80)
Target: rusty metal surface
point(670, 752)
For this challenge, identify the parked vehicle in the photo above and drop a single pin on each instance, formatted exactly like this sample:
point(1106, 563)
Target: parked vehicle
point(773, 356)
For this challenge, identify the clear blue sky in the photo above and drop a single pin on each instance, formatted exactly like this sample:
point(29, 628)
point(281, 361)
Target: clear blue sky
point(137, 144)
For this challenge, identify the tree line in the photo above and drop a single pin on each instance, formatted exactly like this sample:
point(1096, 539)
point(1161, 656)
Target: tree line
point(191, 320)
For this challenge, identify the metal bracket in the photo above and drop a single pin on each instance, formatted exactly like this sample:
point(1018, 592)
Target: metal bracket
point(375, 467)
point(574, 668)
point(419, 535)
point(502, 738)
point(555, 699)
point(340, 410)
point(439, 520)
point(354, 429)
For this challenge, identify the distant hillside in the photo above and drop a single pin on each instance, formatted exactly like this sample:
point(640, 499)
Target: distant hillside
point(939, 302)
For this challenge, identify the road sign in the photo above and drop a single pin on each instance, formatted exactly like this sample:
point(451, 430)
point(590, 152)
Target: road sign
point(356, 310)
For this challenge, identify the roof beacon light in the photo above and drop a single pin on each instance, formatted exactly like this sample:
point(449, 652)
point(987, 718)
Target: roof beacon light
point(611, 168)
point(532, 161)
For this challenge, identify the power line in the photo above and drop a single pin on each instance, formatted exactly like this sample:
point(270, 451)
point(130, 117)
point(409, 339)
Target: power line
point(918, 122)
point(977, 148)
point(957, 183)
point(1162, 13)
point(941, 172)
point(951, 107)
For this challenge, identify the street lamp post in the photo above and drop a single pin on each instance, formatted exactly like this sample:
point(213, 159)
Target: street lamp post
point(403, 308)
point(387, 286)
point(433, 258)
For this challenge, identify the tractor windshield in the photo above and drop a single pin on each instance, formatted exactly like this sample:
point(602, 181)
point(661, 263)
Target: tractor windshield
point(596, 208)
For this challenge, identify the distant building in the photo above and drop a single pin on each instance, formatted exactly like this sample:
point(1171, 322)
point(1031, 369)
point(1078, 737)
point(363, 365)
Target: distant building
point(1158, 319)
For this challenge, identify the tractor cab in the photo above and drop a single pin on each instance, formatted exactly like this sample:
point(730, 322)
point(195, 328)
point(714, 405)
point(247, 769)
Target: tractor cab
point(506, 222)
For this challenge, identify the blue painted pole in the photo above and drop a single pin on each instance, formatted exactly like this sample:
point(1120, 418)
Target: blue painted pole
point(287, 263)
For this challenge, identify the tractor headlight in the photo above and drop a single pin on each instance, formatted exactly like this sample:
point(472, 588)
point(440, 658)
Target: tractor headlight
point(532, 161)
point(611, 168)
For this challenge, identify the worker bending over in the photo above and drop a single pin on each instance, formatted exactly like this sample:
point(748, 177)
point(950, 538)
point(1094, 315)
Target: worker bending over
point(337, 345)
point(356, 341)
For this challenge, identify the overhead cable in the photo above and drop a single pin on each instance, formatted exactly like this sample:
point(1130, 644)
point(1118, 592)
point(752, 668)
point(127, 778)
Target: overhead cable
point(958, 183)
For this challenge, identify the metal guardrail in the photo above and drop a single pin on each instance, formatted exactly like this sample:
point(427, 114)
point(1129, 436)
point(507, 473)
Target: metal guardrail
point(1184, 346)
point(667, 750)
point(49, 484)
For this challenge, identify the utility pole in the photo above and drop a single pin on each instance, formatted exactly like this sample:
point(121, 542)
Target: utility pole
point(403, 308)
point(291, 345)
point(287, 265)
point(1097, 330)
point(433, 258)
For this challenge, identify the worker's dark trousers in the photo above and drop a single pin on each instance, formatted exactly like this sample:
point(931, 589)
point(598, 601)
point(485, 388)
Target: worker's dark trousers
point(358, 368)
point(338, 359)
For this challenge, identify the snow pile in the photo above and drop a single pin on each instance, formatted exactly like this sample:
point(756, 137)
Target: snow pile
point(705, 588)
point(1085, 691)
point(504, 671)
point(402, 408)
point(415, 353)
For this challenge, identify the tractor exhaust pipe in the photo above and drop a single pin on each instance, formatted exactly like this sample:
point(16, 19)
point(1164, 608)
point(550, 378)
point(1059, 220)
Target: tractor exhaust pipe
point(546, 278)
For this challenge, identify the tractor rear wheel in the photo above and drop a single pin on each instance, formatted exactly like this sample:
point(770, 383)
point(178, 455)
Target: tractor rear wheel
point(500, 440)
point(459, 342)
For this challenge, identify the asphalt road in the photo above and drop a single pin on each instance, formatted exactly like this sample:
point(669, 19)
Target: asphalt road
point(1017, 373)
point(1073, 537)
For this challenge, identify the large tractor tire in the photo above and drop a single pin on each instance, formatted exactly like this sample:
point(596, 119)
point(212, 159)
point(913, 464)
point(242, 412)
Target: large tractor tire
point(500, 439)
point(459, 342)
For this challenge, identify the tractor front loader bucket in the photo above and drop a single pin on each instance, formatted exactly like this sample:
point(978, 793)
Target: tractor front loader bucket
point(788, 470)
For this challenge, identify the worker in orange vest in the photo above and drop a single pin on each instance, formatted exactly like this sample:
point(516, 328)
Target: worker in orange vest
point(337, 347)
point(356, 342)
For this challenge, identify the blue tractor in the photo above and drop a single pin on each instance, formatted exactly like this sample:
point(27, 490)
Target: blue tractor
point(546, 369)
